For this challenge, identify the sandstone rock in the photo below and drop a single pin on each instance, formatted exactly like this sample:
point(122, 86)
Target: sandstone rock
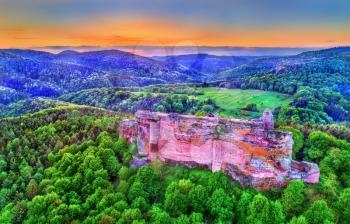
point(128, 130)
point(139, 161)
point(250, 151)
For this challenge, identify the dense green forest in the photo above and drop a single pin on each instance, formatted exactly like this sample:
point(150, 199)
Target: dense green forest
point(67, 165)
point(162, 99)
point(318, 80)
point(64, 163)
point(181, 99)
point(305, 105)
point(308, 109)
point(29, 73)
point(313, 102)
point(27, 106)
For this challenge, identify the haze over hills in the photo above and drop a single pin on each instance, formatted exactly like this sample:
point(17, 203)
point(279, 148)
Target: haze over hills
point(28, 73)
point(176, 50)
point(208, 64)
point(331, 60)
point(37, 73)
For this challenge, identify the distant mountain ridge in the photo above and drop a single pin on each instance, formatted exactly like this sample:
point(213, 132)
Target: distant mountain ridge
point(31, 73)
point(151, 51)
point(37, 73)
point(208, 64)
point(331, 60)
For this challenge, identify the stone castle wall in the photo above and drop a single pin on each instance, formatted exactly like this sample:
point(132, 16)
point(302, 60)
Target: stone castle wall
point(250, 151)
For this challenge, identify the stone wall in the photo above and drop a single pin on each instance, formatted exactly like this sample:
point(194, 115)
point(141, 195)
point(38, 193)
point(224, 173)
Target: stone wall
point(250, 151)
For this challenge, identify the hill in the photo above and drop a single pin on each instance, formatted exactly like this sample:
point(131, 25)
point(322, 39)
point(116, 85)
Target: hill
point(328, 61)
point(181, 99)
point(68, 165)
point(34, 73)
point(29, 105)
point(170, 98)
point(319, 81)
point(207, 64)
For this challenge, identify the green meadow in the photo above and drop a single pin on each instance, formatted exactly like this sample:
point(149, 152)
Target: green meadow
point(231, 101)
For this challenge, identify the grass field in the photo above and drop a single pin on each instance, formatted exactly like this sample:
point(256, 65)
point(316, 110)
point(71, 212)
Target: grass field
point(231, 101)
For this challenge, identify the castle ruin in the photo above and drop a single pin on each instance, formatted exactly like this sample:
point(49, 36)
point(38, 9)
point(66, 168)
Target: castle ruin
point(250, 151)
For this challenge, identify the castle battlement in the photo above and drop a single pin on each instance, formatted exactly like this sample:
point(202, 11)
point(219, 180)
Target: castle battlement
point(250, 151)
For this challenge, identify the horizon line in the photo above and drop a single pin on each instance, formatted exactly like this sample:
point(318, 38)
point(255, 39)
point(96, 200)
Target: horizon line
point(156, 50)
point(167, 46)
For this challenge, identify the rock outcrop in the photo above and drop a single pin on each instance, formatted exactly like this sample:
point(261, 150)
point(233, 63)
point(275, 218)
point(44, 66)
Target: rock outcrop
point(250, 151)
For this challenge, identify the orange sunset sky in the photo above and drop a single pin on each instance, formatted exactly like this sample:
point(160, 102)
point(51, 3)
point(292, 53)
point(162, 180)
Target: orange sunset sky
point(265, 23)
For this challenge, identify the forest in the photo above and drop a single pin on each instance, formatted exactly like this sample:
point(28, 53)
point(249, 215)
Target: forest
point(67, 165)
point(317, 81)
point(62, 161)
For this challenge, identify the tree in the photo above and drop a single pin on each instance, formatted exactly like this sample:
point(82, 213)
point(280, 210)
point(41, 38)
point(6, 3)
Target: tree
point(158, 216)
point(277, 214)
point(32, 189)
point(3, 165)
point(318, 212)
point(160, 108)
point(319, 143)
point(343, 206)
point(137, 190)
point(124, 173)
point(337, 165)
point(121, 146)
point(178, 107)
point(6, 215)
point(75, 211)
point(208, 108)
point(177, 197)
point(182, 219)
point(251, 107)
point(243, 206)
point(107, 201)
point(112, 166)
point(293, 198)
point(298, 220)
point(218, 180)
point(123, 187)
point(220, 206)
point(121, 205)
point(150, 181)
point(261, 210)
point(130, 215)
point(20, 209)
point(198, 198)
point(298, 139)
point(141, 204)
point(196, 218)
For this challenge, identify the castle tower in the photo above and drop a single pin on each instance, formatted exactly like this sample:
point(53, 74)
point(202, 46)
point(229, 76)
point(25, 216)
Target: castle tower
point(267, 118)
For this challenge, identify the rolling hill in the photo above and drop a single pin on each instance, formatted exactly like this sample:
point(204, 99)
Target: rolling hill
point(208, 64)
point(36, 73)
point(25, 74)
point(327, 61)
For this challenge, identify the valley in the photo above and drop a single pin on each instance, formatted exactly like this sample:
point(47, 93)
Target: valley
point(62, 159)
point(233, 102)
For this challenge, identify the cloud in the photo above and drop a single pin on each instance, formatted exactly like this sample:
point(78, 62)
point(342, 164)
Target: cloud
point(110, 29)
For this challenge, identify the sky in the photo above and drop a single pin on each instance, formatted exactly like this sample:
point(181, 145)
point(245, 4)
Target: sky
point(243, 23)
